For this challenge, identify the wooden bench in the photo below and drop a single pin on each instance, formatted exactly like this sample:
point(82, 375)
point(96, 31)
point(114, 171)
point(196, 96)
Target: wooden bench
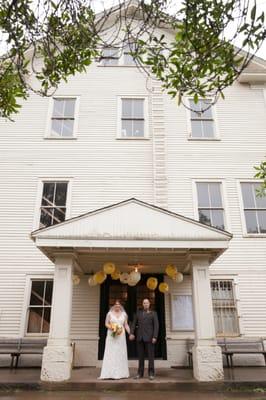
point(11, 347)
point(27, 346)
point(239, 346)
point(232, 346)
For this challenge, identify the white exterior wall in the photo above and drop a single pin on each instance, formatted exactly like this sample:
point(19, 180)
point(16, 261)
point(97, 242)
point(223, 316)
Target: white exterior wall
point(105, 170)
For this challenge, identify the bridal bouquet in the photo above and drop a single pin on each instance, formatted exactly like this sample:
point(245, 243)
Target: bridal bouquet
point(116, 330)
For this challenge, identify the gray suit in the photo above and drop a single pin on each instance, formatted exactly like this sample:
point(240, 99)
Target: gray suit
point(146, 325)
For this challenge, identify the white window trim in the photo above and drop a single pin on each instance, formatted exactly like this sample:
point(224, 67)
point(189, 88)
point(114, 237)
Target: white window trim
point(38, 201)
point(216, 136)
point(48, 134)
point(119, 116)
point(26, 302)
point(235, 279)
point(227, 221)
point(242, 214)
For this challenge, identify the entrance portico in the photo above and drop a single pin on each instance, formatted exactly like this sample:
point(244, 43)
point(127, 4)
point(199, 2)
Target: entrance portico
point(137, 231)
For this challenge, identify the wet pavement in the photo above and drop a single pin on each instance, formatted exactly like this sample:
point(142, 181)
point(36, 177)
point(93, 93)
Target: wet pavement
point(153, 395)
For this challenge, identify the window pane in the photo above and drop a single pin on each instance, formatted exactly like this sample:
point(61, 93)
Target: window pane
point(48, 293)
point(67, 127)
point(247, 193)
point(196, 129)
point(58, 110)
point(37, 293)
point(208, 129)
point(127, 127)
point(204, 217)
point(57, 127)
point(48, 193)
point(69, 108)
point(195, 107)
point(215, 194)
point(138, 128)
point(251, 221)
point(217, 218)
point(110, 56)
point(35, 320)
point(46, 320)
point(138, 108)
point(203, 194)
point(262, 220)
point(59, 215)
point(60, 193)
point(127, 108)
point(46, 217)
point(200, 106)
point(260, 200)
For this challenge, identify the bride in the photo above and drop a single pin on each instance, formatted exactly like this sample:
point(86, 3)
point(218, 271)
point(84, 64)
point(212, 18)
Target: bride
point(115, 362)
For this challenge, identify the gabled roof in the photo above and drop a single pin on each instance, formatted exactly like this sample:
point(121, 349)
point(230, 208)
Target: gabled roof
point(132, 219)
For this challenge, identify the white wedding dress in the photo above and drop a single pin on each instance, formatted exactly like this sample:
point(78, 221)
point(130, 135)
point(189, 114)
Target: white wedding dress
point(115, 361)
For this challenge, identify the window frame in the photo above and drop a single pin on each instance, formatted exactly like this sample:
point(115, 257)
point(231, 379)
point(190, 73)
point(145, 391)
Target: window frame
point(223, 196)
point(38, 203)
point(216, 136)
point(26, 305)
point(245, 233)
point(48, 131)
point(119, 118)
point(236, 293)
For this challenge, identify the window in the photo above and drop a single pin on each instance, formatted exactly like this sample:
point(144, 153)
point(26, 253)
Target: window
point(210, 205)
point(132, 118)
point(254, 208)
point(110, 56)
point(128, 57)
point(202, 122)
point(63, 117)
point(53, 203)
point(224, 308)
point(40, 304)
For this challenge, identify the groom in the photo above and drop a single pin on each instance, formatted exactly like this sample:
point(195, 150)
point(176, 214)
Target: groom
point(147, 326)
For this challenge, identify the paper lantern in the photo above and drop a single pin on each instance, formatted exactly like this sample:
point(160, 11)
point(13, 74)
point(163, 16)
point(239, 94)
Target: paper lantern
point(131, 283)
point(163, 287)
point(100, 277)
point(109, 268)
point(124, 277)
point(92, 281)
point(134, 278)
point(178, 277)
point(115, 275)
point(76, 280)
point(171, 270)
point(152, 283)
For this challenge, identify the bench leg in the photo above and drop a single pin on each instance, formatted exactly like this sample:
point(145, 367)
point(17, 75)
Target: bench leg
point(231, 360)
point(12, 361)
point(17, 358)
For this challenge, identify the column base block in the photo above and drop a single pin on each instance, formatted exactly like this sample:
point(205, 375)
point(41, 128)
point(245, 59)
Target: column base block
point(207, 363)
point(56, 363)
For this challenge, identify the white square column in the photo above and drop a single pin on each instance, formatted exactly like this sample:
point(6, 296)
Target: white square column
point(207, 355)
point(57, 355)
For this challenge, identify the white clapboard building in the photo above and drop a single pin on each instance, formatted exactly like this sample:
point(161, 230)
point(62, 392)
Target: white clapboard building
point(111, 169)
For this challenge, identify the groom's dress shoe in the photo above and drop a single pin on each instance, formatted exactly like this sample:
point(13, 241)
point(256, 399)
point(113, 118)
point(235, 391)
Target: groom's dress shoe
point(151, 377)
point(138, 376)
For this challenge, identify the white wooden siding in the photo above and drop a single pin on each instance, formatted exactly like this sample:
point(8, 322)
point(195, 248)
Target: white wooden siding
point(106, 170)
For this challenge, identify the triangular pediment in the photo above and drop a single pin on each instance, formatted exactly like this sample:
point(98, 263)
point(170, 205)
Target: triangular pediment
point(132, 220)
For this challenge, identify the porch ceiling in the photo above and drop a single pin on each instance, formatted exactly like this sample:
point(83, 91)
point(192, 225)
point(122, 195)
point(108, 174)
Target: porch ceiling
point(131, 232)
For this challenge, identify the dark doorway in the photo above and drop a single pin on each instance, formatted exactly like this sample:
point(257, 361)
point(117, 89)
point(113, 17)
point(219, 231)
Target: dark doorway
point(131, 298)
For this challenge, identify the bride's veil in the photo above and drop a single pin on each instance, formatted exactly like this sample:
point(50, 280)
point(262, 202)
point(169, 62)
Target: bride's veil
point(123, 311)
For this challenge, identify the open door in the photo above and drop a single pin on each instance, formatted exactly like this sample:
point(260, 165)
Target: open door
point(131, 298)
